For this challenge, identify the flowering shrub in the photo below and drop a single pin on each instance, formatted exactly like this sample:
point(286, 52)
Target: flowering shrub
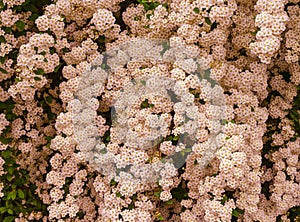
point(147, 110)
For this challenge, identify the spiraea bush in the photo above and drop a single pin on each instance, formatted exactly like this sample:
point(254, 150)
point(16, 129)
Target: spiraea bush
point(167, 110)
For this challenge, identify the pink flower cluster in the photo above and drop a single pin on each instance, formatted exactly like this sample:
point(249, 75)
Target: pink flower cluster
point(249, 49)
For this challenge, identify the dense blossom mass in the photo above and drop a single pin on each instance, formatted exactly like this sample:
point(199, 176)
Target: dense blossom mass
point(149, 110)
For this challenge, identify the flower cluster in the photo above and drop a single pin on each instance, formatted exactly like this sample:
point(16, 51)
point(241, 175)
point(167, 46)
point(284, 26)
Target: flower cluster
point(173, 110)
point(271, 23)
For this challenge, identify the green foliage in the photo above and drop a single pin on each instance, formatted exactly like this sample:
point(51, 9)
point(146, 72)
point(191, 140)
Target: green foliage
point(2, 59)
point(39, 71)
point(49, 99)
point(7, 108)
point(160, 217)
point(33, 17)
point(294, 213)
point(19, 193)
point(18, 79)
point(196, 10)
point(207, 20)
point(3, 71)
point(145, 104)
point(236, 212)
point(169, 202)
point(2, 39)
point(224, 199)
point(148, 5)
point(36, 78)
point(58, 67)
point(113, 183)
point(20, 25)
point(157, 193)
point(1, 4)
point(179, 193)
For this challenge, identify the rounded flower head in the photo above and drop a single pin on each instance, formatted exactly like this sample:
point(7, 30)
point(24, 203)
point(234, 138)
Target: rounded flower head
point(103, 20)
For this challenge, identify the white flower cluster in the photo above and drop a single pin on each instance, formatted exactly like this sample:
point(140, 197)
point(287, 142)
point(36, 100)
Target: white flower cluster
point(271, 22)
point(142, 113)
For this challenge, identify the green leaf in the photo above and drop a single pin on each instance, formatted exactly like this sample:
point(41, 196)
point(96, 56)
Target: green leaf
point(2, 39)
point(159, 217)
point(6, 153)
point(30, 7)
point(196, 10)
point(2, 59)
point(57, 67)
point(1, 4)
point(5, 140)
point(17, 8)
point(224, 122)
point(163, 160)
point(33, 17)
point(157, 194)
point(12, 195)
point(20, 25)
point(36, 78)
point(207, 20)
point(10, 211)
point(21, 194)
point(101, 38)
point(9, 219)
point(3, 70)
point(11, 117)
point(188, 150)
point(103, 151)
point(145, 104)
point(146, 7)
point(175, 138)
point(39, 71)
point(236, 212)
point(11, 170)
point(113, 182)
point(169, 138)
point(169, 202)
point(18, 80)
point(9, 177)
point(7, 29)
point(3, 210)
point(49, 99)
point(103, 66)
point(130, 206)
point(224, 199)
point(154, 5)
